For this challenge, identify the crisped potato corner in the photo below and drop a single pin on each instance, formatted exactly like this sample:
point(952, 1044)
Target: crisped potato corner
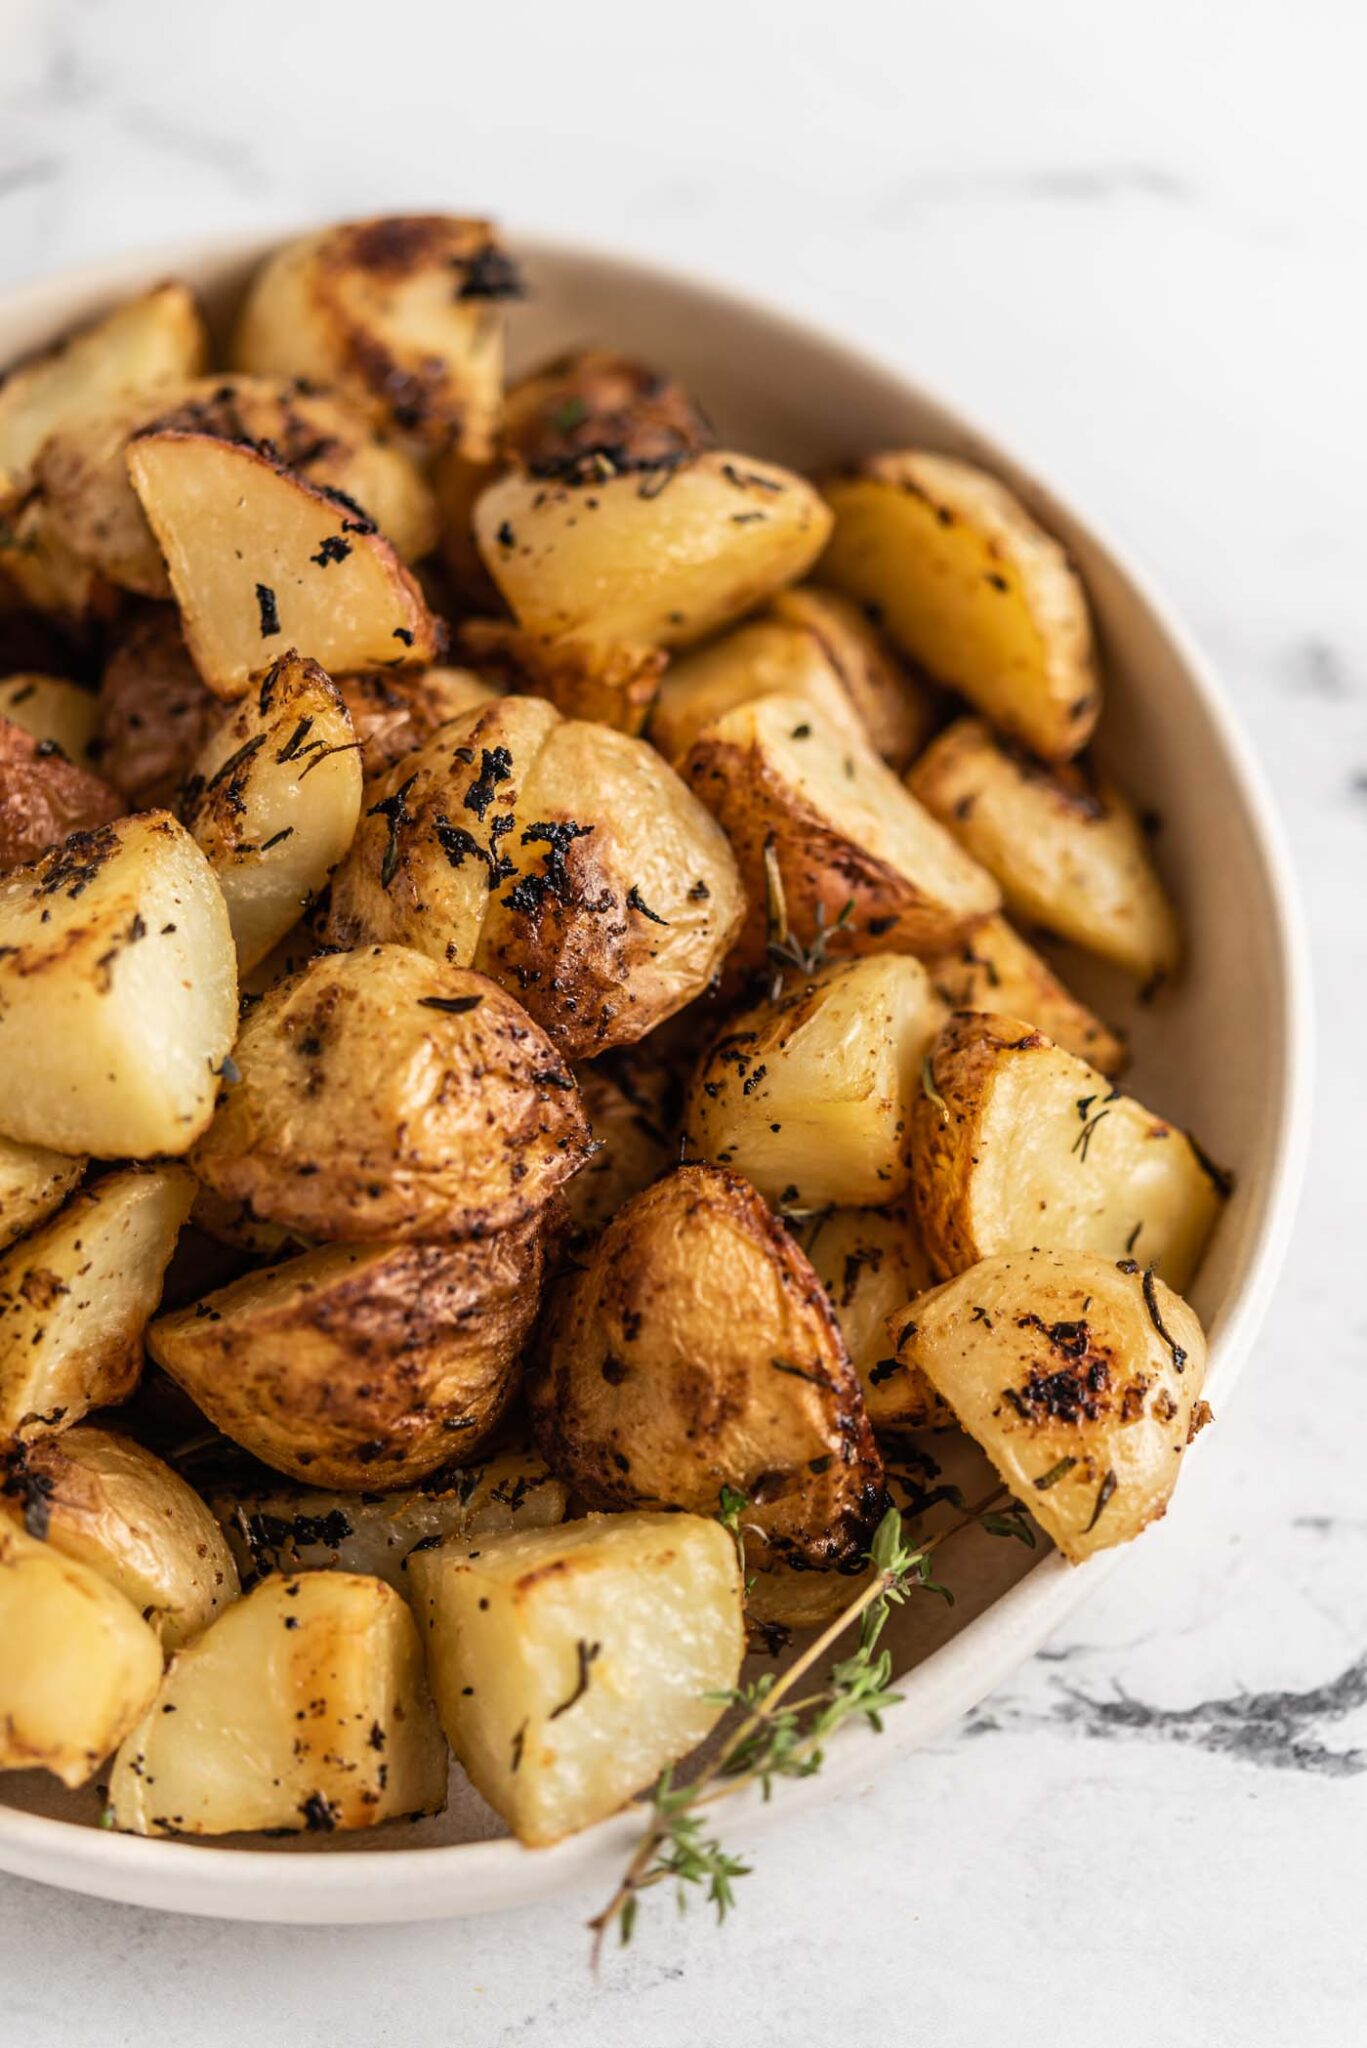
point(996, 970)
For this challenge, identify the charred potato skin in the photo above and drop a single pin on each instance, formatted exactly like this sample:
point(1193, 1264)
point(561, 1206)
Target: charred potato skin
point(593, 402)
point(996, 970)
point(636, 1408)
point(155, 713)
point(44, 797)
point(393, 714)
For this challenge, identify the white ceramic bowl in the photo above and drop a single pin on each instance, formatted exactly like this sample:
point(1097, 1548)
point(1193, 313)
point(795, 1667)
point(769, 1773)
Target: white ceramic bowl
point(1226, 1052)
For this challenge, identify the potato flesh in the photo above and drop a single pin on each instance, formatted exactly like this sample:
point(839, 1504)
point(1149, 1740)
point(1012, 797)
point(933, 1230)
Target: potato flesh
point(49, 577)
point(80, 1666)
point(763, 658)
point(296, 1530)
point(275, 801)
point(33, 1182)
point(118, 992)
point(76, 1296)
point(1065, 1367)
point(570, 1666)
point(972, 589)
point(894, 708)
point(810, 1097)
point(304, 1706)
point(260, 561)
point(105, 1501)
point(871, 1262)
point(996, 970)
point(52, 709)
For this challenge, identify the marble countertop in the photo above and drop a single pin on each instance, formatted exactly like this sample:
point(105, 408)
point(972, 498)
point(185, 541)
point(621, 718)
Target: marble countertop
point(1135, 242)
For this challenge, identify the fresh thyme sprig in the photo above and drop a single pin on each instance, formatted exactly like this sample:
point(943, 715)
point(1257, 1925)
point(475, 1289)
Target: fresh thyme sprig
point(783, 946)
point(780, 1733)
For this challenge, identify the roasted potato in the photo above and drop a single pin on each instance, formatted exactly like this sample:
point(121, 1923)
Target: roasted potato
point(810, 1095)
point(256, 555)
point(996, 970)
point(288, 1530)
point(612, 686)
point(594, 402)
point(94, 510)
point(362, 1365)
point(896, 708)
point(146, 341)
point(386, 1096)
point(1080, 1377)
point(1064, 843)
point(633, 1104)
point(966, 583)
point(695, 1349)
point(796, 797)
point(155, 713)
point(76, 1296)
point(274, 801)
point(871, 1262)
point(33, 1182)
point(47, 576)
point(108, 1503)
point(395, 713)
point(57, 711)
point(1018, 1144)
point(762, 658)
point(402, 314)
point(566, 861)
point(304, 1706)
point(44, 796)
point(80, 1666)
point(571, 1666)
point(118, 992)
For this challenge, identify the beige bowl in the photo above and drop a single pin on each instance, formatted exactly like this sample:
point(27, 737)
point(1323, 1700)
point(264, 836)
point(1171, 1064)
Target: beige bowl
point(1228, 1052)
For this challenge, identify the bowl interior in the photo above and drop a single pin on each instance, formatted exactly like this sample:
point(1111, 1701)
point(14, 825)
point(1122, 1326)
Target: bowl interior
point(1222, 1052)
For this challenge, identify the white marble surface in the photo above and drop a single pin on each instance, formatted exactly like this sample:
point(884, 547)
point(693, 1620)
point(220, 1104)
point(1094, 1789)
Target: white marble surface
point(1135, 240)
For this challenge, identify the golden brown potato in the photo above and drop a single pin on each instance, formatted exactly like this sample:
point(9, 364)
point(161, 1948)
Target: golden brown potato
point(849, 846)
point(632, 1102)
point(762, 658)
point(304, 1706)
point(80, 1666)
point(566, 861)
point(403, 314)
point(144, 342)
point(76, 1296)
point(33, 1182)
point(594, 402)
point(996, 970)
point(108, 1503)
point(155, 713)
point(612, 686)
point(287, 1529)
point(47, 576)
point(695, 1349)
point(386, 1096)
point(258, 556)
point(1064, 843)
point(571, 1666)
point(44, 796)
point(118, 992)
point(1018, 1144)
point(896, 707)
point(52, 709)
point(810, 1095)
point(968, 585)
point(274, 801)
point(94, 509)
point(393, 713)
point(871, 1263)
point(362, 1365)
point(1080, 1377)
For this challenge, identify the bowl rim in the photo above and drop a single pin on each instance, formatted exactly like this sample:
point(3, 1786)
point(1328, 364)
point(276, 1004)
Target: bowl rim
point(456, 1880)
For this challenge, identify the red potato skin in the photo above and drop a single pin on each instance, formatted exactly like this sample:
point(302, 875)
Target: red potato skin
point(44, 797)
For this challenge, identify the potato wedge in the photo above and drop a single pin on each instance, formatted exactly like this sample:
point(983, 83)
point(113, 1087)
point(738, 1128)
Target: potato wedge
point(403, 314)
point(80, 1666)
point(289, 1530)
point(362, 1365)
point(896, 708)
point(1065, 844)
point(633, 1105)
point(761, 658)
point(144, 342)
point(55, 710)
point(155, 713)
point(394, 712)
point(105, 1501)
point(274, 801)
point(1018, 1144)
point(871, 1263)
point(256, 555)
point(612, 686)
point(850, 846)
point(570, 1666)
point(303, 1707)
point(44, 796)
point(1080, 1377)
point(385, 1096)
point(118, 992)
point(76, 1296)
point(810, 1096)
point(47, 576)
point(94, 509)
point(695, 1349)
point(966, 583)
point(996, 970)
point(33, 1183)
